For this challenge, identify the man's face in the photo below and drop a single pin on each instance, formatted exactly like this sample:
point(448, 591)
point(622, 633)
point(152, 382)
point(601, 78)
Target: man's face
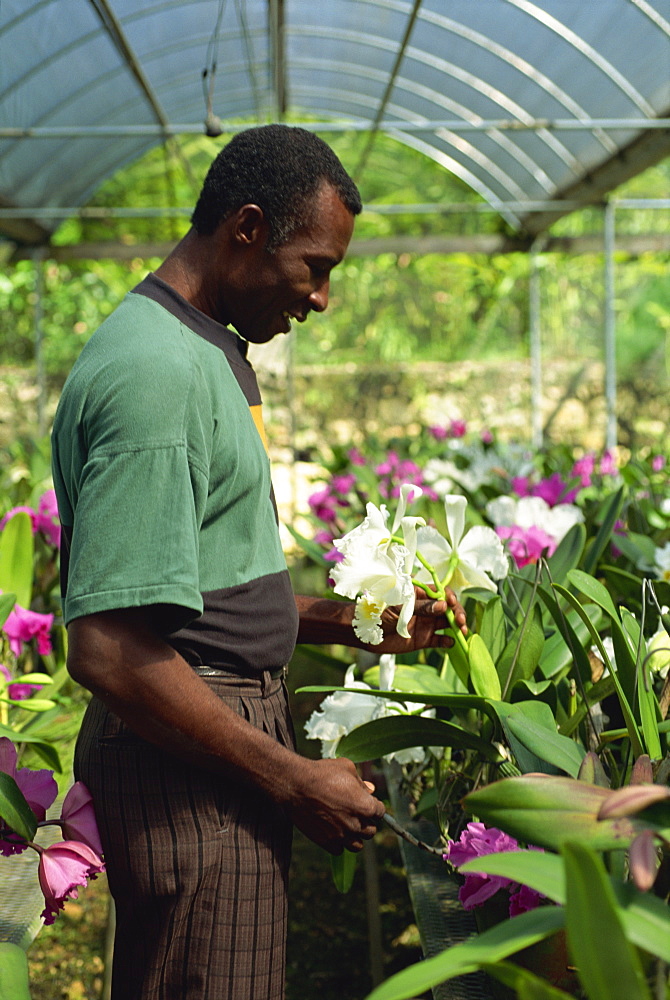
point(277, 288)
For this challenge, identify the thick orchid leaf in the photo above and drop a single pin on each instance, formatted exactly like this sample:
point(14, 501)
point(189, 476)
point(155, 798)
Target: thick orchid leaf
point(609, 966)
point(7, 602)
point(17, 549)
point(645, 918)
point(47, 752)
point(14, 978)
point(601, 689)
point(14, 809)
point(526, 984)
point(312, 549)
point(525, 711)
point(548, 745)
point(411, 678)
point(457, 702)
point(650, 713)
point(547, 810)
point(32, 704)
point(399, 732)
point(594, 590)
point(491, 946)
point(592, 770)
point(483, 672)
point(491, 627)
point(522, 653)
point(574, 634)
point(567, 554)
point(631, 724)
point(611, 509)
point(343, 868)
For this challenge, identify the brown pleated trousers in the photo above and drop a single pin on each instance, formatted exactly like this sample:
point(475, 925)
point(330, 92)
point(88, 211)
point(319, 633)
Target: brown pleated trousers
point(197, 864)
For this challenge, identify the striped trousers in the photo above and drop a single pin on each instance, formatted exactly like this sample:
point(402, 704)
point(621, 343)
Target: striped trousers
point(197, 864)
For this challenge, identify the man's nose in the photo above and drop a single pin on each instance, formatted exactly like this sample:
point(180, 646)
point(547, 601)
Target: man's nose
point(318, 299)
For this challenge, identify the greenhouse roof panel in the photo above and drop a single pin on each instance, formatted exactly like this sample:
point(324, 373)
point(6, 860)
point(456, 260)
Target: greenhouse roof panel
point(486, 88)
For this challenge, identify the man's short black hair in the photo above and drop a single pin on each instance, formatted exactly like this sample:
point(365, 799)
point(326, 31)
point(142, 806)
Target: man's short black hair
point(277, 167)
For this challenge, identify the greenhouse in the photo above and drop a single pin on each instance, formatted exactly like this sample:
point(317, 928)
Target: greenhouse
point(477, 424)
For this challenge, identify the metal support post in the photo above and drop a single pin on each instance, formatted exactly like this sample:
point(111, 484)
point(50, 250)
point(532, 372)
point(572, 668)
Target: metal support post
point(610, 329)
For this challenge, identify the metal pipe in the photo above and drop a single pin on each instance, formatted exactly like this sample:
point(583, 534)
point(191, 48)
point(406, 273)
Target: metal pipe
point(534, 317)
point(610, 327)
point(429, 125)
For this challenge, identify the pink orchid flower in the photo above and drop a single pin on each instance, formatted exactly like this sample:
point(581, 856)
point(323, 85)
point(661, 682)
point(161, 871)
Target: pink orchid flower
point(477, 841)
point(47, 520)
point(19, 510)
point(16, 690)
point(38, 787)
point(526, 545)
point(23, 625)
point(78, 817)
point(62, 869)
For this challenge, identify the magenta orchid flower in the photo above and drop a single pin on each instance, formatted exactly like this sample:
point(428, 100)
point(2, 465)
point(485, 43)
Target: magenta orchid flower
point(19, 510)
point(46, 518)
point(476, 841)
point(22, 625)
point(77, 817)
point(526, 545)
point(62, 869)
point(38, 787)
point(17, 690)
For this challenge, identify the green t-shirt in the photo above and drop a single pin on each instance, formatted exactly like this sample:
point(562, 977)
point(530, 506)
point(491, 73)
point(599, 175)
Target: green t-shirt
point(164, 489)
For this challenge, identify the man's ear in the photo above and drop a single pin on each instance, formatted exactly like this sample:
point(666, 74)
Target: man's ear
point(249, 225)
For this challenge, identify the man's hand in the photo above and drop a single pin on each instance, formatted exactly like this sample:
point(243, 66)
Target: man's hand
point(333, 806)
point(428, 619)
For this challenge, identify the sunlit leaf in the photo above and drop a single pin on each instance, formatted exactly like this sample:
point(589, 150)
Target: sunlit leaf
point(383, 736)
point(608, 965)
point(14, 809)
point(16, 558)
point(343, 868)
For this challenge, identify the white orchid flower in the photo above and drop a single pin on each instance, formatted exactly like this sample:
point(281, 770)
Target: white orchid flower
point(534, 512)
point(376, 570)
point(343, 711)
point(471, 559)
point(662, 562)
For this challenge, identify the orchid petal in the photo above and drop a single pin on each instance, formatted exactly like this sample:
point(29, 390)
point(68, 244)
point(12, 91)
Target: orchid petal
point(454, 507)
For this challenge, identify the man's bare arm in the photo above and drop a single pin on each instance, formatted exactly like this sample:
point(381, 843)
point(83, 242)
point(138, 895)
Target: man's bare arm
point(144, 681)
point(327, 621)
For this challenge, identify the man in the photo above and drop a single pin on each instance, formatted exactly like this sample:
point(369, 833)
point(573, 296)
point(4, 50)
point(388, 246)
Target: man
point(178, 603)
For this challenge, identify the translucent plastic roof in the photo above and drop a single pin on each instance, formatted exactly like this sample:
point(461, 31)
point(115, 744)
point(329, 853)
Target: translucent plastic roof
point(527, 102)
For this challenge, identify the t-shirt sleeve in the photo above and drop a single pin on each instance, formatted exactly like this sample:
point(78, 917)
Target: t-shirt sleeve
point(140, 504)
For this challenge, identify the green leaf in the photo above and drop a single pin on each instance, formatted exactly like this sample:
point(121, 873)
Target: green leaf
point(32, 704)
point(522, 653)
point(383, 736)
point(567, 554)
point(525, 711)
point(610, 509)
point(311, 548)
point(14, 809)
point(7, 602)
point(16, 558)
point(645, 918)
point(411, 678)
point(14, 979)
point(548, 745)
point(47, 752)
point(483, 672)
point(594, 590)
point(526, 984)
point(547, 810)
point(457, 702)
point(343, 868)
point(493, 945)
point(609, 966)
point(569, 645)
point(631, 724)
point(492, 627)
